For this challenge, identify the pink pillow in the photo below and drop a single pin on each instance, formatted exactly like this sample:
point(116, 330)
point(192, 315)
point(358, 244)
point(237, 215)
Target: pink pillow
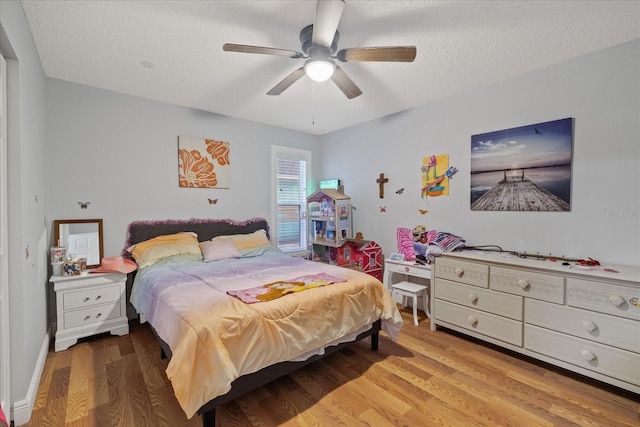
point(405, 243)
point(214, 250)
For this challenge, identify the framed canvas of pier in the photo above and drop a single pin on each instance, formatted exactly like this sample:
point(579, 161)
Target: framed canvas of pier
point(527, 168)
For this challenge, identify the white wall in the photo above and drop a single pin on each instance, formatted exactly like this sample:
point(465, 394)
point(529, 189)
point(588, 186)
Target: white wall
point(601, 91)
point(120, 153)
point(27, 201)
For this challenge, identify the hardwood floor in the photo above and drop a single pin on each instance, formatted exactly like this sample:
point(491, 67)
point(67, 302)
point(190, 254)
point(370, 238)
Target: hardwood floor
point(425, 379)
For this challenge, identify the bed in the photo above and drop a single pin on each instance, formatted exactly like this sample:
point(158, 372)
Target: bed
point(238, 313)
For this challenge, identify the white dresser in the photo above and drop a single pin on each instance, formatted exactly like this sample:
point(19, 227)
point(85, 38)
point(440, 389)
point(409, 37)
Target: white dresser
point(583, 320)
point(89, 304)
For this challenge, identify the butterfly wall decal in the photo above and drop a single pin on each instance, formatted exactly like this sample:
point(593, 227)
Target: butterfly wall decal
point(400, 191)
point(383, 208)
point(213, 201)
point(84, 205)
point(423, 211)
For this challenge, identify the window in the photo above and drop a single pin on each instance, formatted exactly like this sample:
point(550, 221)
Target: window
point(290, 172)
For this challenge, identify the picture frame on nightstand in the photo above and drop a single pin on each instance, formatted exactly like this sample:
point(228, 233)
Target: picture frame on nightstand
point(396, 257)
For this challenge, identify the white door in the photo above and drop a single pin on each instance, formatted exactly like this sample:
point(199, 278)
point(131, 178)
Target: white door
point(85, 245)
point(5, 398)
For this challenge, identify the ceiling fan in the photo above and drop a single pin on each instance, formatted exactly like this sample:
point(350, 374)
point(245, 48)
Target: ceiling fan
point(320, 47)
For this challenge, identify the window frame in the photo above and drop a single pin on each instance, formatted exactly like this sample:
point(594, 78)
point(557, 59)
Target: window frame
point(281, 152)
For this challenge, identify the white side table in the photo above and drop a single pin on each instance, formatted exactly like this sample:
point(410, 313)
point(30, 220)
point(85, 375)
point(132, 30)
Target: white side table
point(89, 304)
point(408, 269)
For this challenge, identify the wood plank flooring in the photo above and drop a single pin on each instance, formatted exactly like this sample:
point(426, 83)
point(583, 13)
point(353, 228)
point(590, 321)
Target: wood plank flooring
point(425, 379)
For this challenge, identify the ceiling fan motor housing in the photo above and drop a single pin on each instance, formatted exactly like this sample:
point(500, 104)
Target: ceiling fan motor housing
point(314, 50)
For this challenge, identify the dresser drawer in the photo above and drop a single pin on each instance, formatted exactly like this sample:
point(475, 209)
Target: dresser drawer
point(603, 297)
point(469, 273)
point(91, 296)
point(546, 287)
point(611, 330)
point(613, 362)
point(497, 327)
point(89, 315)
point(481, 299)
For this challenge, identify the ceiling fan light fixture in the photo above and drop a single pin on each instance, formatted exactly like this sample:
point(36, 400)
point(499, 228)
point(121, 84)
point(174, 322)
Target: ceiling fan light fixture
point(319, 70)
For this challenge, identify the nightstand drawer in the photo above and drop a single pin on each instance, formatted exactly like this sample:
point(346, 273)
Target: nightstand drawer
point(481, 299)
point(497, 327)
point(602, 328)
point(91, 296)
point(546, 287)
point(464, 272)
point(86, 316)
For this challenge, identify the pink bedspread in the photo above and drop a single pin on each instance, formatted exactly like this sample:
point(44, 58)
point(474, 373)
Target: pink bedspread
point(215, 338)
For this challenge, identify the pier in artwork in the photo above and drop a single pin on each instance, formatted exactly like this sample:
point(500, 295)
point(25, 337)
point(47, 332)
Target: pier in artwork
point(518, 193)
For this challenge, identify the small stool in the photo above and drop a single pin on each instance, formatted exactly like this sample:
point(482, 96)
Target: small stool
point(413, 290)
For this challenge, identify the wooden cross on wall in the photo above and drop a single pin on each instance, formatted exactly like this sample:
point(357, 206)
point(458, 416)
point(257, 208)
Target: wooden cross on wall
point(382, 181)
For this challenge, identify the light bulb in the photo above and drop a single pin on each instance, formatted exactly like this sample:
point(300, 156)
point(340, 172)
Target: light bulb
point(319, 70)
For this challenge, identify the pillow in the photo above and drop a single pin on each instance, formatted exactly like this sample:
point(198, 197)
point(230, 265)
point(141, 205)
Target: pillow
point(248, 245)
point(151, 251)
point(214, 250)
point(405, 243)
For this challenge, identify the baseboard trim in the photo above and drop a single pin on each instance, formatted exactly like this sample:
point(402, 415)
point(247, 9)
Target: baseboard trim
point(22, 409)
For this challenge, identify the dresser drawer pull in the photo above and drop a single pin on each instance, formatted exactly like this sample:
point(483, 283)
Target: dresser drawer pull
point(588, 355)
point(616, 300)
point(473, 298)
point(524, 284)
point(473, 321)
point(98, 315)
point(87, 317)
point(407, 269)
point(86, 299)
point(98, 297)
point(589, 325)
point(459, 271)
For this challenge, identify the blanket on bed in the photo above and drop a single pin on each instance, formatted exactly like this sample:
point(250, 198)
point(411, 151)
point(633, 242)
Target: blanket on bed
point(278, 289)
point(215, 338)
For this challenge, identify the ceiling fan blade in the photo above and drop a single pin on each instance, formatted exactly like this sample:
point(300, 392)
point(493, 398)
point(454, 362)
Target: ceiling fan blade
point(286, 82)
point(371, 54)
point(328, 13)
point(345, 84)
point(244, 48)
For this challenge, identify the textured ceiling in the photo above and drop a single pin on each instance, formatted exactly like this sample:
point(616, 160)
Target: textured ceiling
point(171, 51)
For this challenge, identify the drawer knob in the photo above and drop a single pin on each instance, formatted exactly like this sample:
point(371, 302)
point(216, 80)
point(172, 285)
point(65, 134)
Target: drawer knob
point(588, 355)
point(616, 300)
point(407, 269)
point(589, 325)
point(98, 315)
point(473, 298)
point(459, 271)
point(473, 321)
point(86, 299)
point(524, 284)
point(98, 297)
point(87, 317)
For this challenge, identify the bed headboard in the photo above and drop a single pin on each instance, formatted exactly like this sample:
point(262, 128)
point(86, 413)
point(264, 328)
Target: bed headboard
point(139, 231)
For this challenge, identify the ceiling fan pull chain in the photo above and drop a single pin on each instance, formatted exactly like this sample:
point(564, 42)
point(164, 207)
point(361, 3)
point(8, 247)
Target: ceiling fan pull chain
point(313, 103)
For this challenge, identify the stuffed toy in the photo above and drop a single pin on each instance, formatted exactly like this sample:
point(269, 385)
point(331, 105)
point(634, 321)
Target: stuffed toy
point(420, 241)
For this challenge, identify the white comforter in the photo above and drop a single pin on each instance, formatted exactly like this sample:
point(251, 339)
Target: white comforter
point(215, 338)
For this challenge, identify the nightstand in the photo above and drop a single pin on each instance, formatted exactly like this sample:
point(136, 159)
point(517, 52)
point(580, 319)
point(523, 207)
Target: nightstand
point(408, 269)
point(89, 304)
